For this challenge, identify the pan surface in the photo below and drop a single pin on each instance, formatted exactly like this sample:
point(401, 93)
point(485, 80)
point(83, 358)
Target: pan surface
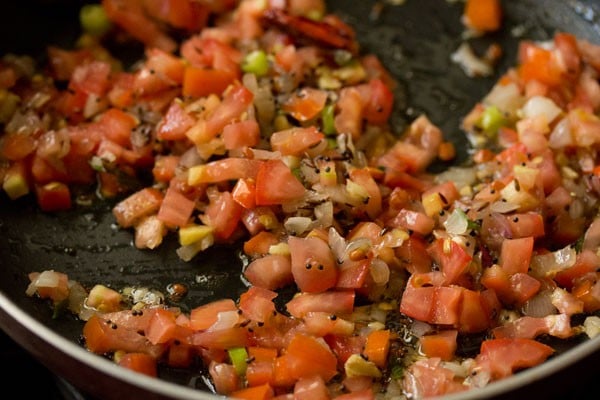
point(414, 41)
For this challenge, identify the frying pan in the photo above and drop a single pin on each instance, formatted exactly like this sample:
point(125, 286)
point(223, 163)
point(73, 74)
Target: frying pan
point(414, 40)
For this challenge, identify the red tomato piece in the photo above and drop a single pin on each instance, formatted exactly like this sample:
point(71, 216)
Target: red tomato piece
point(273, 271)
point(296, 140)
point(306, 103)
point(204, 316)
point(257, 303)
point(503, 357)
point(313, 264)
point(515, 255)
point(241, 134)
point(175, 123)
point(201, 82)
point(136, 206)
point(244, 193)
point(413, 220)
point(175, 209)
point(223, 215)
point(276, 184)
point(333, 302)
point(452, 258)
point(139, 362)
point(102, 336)
point(53, 196)
point(441, 344)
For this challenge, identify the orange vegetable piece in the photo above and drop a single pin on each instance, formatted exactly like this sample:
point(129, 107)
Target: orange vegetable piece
point(377, 347)
point(442, 344)
point(483, 15)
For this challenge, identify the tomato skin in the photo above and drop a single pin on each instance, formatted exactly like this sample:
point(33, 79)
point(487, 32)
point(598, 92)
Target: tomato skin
point(313, 264)
point(275, 184)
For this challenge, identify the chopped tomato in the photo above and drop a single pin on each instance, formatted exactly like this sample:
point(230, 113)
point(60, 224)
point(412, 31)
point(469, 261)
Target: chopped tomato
point(313, 264)
point(333, 302)
point(502, 357)
point(276, 184)
point(136, 206)
point(53, 196)
point(201, 82)
point(139, 362)
point(295, 141)
point(442, 344)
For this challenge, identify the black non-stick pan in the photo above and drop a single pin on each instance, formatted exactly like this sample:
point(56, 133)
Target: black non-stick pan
point(414, 39)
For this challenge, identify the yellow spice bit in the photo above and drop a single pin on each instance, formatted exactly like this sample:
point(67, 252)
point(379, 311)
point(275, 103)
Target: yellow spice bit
point(356, 365)
point(282, 249)
point(194, 233)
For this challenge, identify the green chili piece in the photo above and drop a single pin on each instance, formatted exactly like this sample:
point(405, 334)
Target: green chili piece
point(328, 119)
point(94, 20)
point(256, 62)
point(239, 357)
point(491, 120)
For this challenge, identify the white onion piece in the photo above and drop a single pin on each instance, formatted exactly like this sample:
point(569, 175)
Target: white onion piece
point(420, 328)
point(469, 62)
point(47, 279)
point(541, 106)
point(547, 265)
point(457, 223)
point(561, 135)
point(461, 176)
point(539, 305)
point(337, 244)
point(591, 325)
point(324, 214)
point(380, 272)
point(190, 158)
point(507, 98)
point(503, 207)
point(297, 225)
point(225, 320)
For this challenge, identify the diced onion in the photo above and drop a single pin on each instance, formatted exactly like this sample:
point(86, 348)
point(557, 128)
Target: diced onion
point(380, 272)
point(541, 106)
point(225, 320)
point(457, 223)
